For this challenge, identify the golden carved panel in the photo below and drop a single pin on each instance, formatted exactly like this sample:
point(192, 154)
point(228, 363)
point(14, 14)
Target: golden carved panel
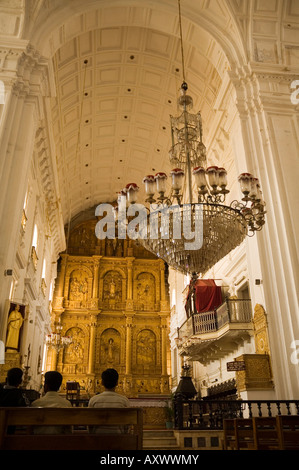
point(78, 289)
point(74, 352)
point(146, 288)
point(146, 348)
point(110, 298)
point(260, 328)
point(257, 374)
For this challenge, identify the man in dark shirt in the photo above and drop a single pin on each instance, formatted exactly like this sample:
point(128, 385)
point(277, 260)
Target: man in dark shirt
point(10, 393)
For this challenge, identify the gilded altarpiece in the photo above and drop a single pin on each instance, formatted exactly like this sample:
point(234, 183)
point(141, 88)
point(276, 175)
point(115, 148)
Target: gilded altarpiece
point(111, 298)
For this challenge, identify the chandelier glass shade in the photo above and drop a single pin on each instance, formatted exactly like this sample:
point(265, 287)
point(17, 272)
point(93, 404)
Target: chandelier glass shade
point(216, 228)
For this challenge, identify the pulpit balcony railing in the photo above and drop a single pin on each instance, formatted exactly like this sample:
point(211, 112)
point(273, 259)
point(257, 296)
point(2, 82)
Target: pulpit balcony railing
point(231, 311)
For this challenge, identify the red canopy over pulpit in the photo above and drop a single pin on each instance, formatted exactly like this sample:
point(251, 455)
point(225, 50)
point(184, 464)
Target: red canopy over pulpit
point(207, 295)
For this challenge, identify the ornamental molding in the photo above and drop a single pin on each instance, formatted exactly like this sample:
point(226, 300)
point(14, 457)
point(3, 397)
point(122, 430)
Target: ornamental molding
point(255, 72)
point(52, 199)
point(24, 70)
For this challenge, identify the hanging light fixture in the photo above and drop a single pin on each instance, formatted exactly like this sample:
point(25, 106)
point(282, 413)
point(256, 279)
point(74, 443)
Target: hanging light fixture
point(216, 228)
point(56, 341)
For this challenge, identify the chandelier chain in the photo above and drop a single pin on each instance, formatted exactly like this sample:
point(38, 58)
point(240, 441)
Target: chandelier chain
point(181, 37)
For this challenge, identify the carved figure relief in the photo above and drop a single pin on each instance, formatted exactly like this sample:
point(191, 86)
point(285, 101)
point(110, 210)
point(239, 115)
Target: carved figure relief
point(145, 289)
point(146, 386)
point(110, 347)
point(146, 348)
point(78, 286)
point(112, 286)
point(74, 352)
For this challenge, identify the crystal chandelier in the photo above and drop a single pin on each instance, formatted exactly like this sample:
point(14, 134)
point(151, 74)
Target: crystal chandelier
point(56, 341)
point(216, 228)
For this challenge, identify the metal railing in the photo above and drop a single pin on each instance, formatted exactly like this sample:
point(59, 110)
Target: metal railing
point(209, 414)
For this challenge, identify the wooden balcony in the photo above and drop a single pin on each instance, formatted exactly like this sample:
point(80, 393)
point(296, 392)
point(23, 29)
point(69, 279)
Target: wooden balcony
point(211, 335)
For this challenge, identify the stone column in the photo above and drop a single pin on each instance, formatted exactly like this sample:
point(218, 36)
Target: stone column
point(129, 303)
point(128, 345)
point(163, 348)
point(162, 281)
point(95, 293)
point(61, 277)
point(54, 358)
point(164, 385)
point(92, 341)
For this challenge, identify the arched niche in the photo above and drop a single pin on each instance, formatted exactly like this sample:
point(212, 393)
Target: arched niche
point(112, 285)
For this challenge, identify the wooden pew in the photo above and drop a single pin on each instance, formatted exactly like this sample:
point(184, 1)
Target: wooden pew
point(288, 432)
point(265, 433)
point(24, 423)
point(229, 434)
point(244, 433)
point(238, 434)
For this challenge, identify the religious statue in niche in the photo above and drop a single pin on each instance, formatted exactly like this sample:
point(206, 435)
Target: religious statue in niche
point(110, 347)
point(15, 321)
point(146, 288)
point(112, 286)
point(78, 286)
point(146, 348)
point(74, 352)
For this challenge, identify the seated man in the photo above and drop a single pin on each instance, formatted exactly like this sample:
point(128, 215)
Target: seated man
point(52, 399)
point(10, 393)
point(109, 399)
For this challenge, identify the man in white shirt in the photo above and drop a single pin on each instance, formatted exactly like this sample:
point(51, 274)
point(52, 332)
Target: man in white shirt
point(109, 399)
point(52, 399)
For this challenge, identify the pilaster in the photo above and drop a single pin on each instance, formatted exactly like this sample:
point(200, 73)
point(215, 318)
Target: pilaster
point(25, 75)
point(270, 131)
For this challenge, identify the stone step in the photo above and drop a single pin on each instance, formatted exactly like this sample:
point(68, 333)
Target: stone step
point(159, 440)
point(158, 433)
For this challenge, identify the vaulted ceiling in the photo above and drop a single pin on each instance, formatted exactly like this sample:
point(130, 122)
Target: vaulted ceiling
point(116, 89)
point(118, 69)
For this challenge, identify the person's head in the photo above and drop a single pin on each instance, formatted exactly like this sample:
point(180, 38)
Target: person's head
point(14, 377)
point(53, 381)
point(110, 379)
